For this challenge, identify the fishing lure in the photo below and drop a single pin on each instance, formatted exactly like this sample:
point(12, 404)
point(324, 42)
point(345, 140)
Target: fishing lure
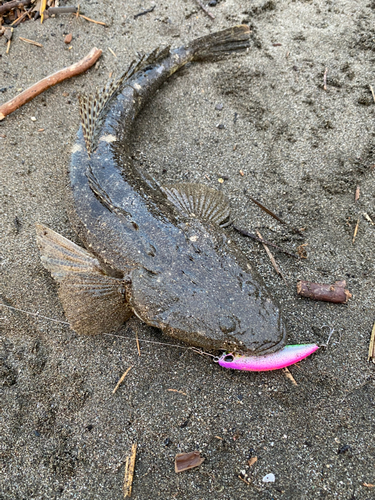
point(287, 356)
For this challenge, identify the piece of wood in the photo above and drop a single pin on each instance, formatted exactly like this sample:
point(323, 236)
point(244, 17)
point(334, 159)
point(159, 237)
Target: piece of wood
point(272, 259)
point(39, 87)
point(6, 7)
point(336, 293)
point(32, 42)
point(92, 20)
point(371, 350)
point(129, 471)
point(186, 461)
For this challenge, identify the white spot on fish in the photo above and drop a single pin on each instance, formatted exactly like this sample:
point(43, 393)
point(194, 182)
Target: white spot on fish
point(108, 138)
point(136, 86)
point(193, 238)
point(160, 69)
point(76, 148)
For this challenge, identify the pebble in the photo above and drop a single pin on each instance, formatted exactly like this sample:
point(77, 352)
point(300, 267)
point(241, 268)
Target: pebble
point(269, 478)
point(33, 119)
point(68, 38)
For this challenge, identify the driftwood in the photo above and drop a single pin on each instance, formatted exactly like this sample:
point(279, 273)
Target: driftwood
point(6, 7)
point(336, 293)
point(39, 87)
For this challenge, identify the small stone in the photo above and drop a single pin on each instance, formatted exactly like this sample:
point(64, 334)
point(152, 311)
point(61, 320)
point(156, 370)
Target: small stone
point(68, 38)
point(33, 119)
point(269, 478)
point(212, 3)
point(220, 126)
point(219, 106)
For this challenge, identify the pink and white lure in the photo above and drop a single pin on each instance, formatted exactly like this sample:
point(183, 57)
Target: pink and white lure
point(287, 356)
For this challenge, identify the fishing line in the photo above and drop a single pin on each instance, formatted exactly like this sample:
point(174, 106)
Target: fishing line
point(40, 316)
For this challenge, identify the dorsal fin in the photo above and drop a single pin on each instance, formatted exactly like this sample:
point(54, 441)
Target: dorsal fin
point(200, 201)
point(92, 108)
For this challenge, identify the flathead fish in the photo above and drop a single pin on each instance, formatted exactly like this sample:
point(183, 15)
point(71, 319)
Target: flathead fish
point(158, 252)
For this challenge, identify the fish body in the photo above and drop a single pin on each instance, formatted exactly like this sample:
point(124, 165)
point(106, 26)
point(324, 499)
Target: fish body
point(156, 251)
point(286, 356)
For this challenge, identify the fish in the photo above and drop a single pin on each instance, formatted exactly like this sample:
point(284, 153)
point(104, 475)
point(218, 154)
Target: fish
point(288, 355)
point(158, 252)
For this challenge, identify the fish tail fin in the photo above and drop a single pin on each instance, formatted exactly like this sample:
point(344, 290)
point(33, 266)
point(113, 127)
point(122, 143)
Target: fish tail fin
point(93, 301)
point(220, 43)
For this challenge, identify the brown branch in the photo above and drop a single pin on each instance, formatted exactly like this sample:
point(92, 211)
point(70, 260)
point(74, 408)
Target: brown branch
point(6, 7)
point(329, 293)
point(39, 87)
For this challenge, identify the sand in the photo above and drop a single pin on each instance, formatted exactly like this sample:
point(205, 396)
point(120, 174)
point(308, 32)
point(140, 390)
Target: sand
point(303, 151)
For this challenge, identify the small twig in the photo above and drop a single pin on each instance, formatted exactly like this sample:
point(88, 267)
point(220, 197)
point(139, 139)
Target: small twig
point(372, 92)
point(325, 79)
point(272, 259)
point(261, 240)
point(17, 21)
point(269, 212)
point(129, 471)
point(30, 41)
point(6, 7)
point(111, 51)
point(355, 231)
point(144, 12)
point(137, 341)
point(176, 390)
point(92, 20)
point(371, 350)
point(336, 293)
point(39, 87)
point(289, 376)
point(121, 379)
point(205, 10)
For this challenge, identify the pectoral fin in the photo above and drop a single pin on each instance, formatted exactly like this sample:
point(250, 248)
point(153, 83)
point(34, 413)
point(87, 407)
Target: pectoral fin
point(200, 201)
point(93, 301)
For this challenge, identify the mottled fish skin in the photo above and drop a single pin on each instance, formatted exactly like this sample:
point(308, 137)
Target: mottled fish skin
point(180, 273)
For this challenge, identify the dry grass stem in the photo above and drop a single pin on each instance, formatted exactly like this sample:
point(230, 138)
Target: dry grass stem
point(371, 350)
point(137, 341)
point(129, 471)
point(272, 258)
point(355, 231)
point(289, 376)
point(30, 41)
point(122, 379)
point(92, 20)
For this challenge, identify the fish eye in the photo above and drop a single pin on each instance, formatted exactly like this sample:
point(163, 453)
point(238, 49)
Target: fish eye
point(228, 358)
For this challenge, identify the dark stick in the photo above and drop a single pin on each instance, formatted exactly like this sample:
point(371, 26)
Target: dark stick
point(6, 7)
point(269, 212)
point(144, 12)
point(261, 240)
point(62, 10)
point(205, 10)
point(336, 293)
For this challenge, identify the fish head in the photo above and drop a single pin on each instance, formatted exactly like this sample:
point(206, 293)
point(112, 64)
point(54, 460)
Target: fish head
point(206, 298)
